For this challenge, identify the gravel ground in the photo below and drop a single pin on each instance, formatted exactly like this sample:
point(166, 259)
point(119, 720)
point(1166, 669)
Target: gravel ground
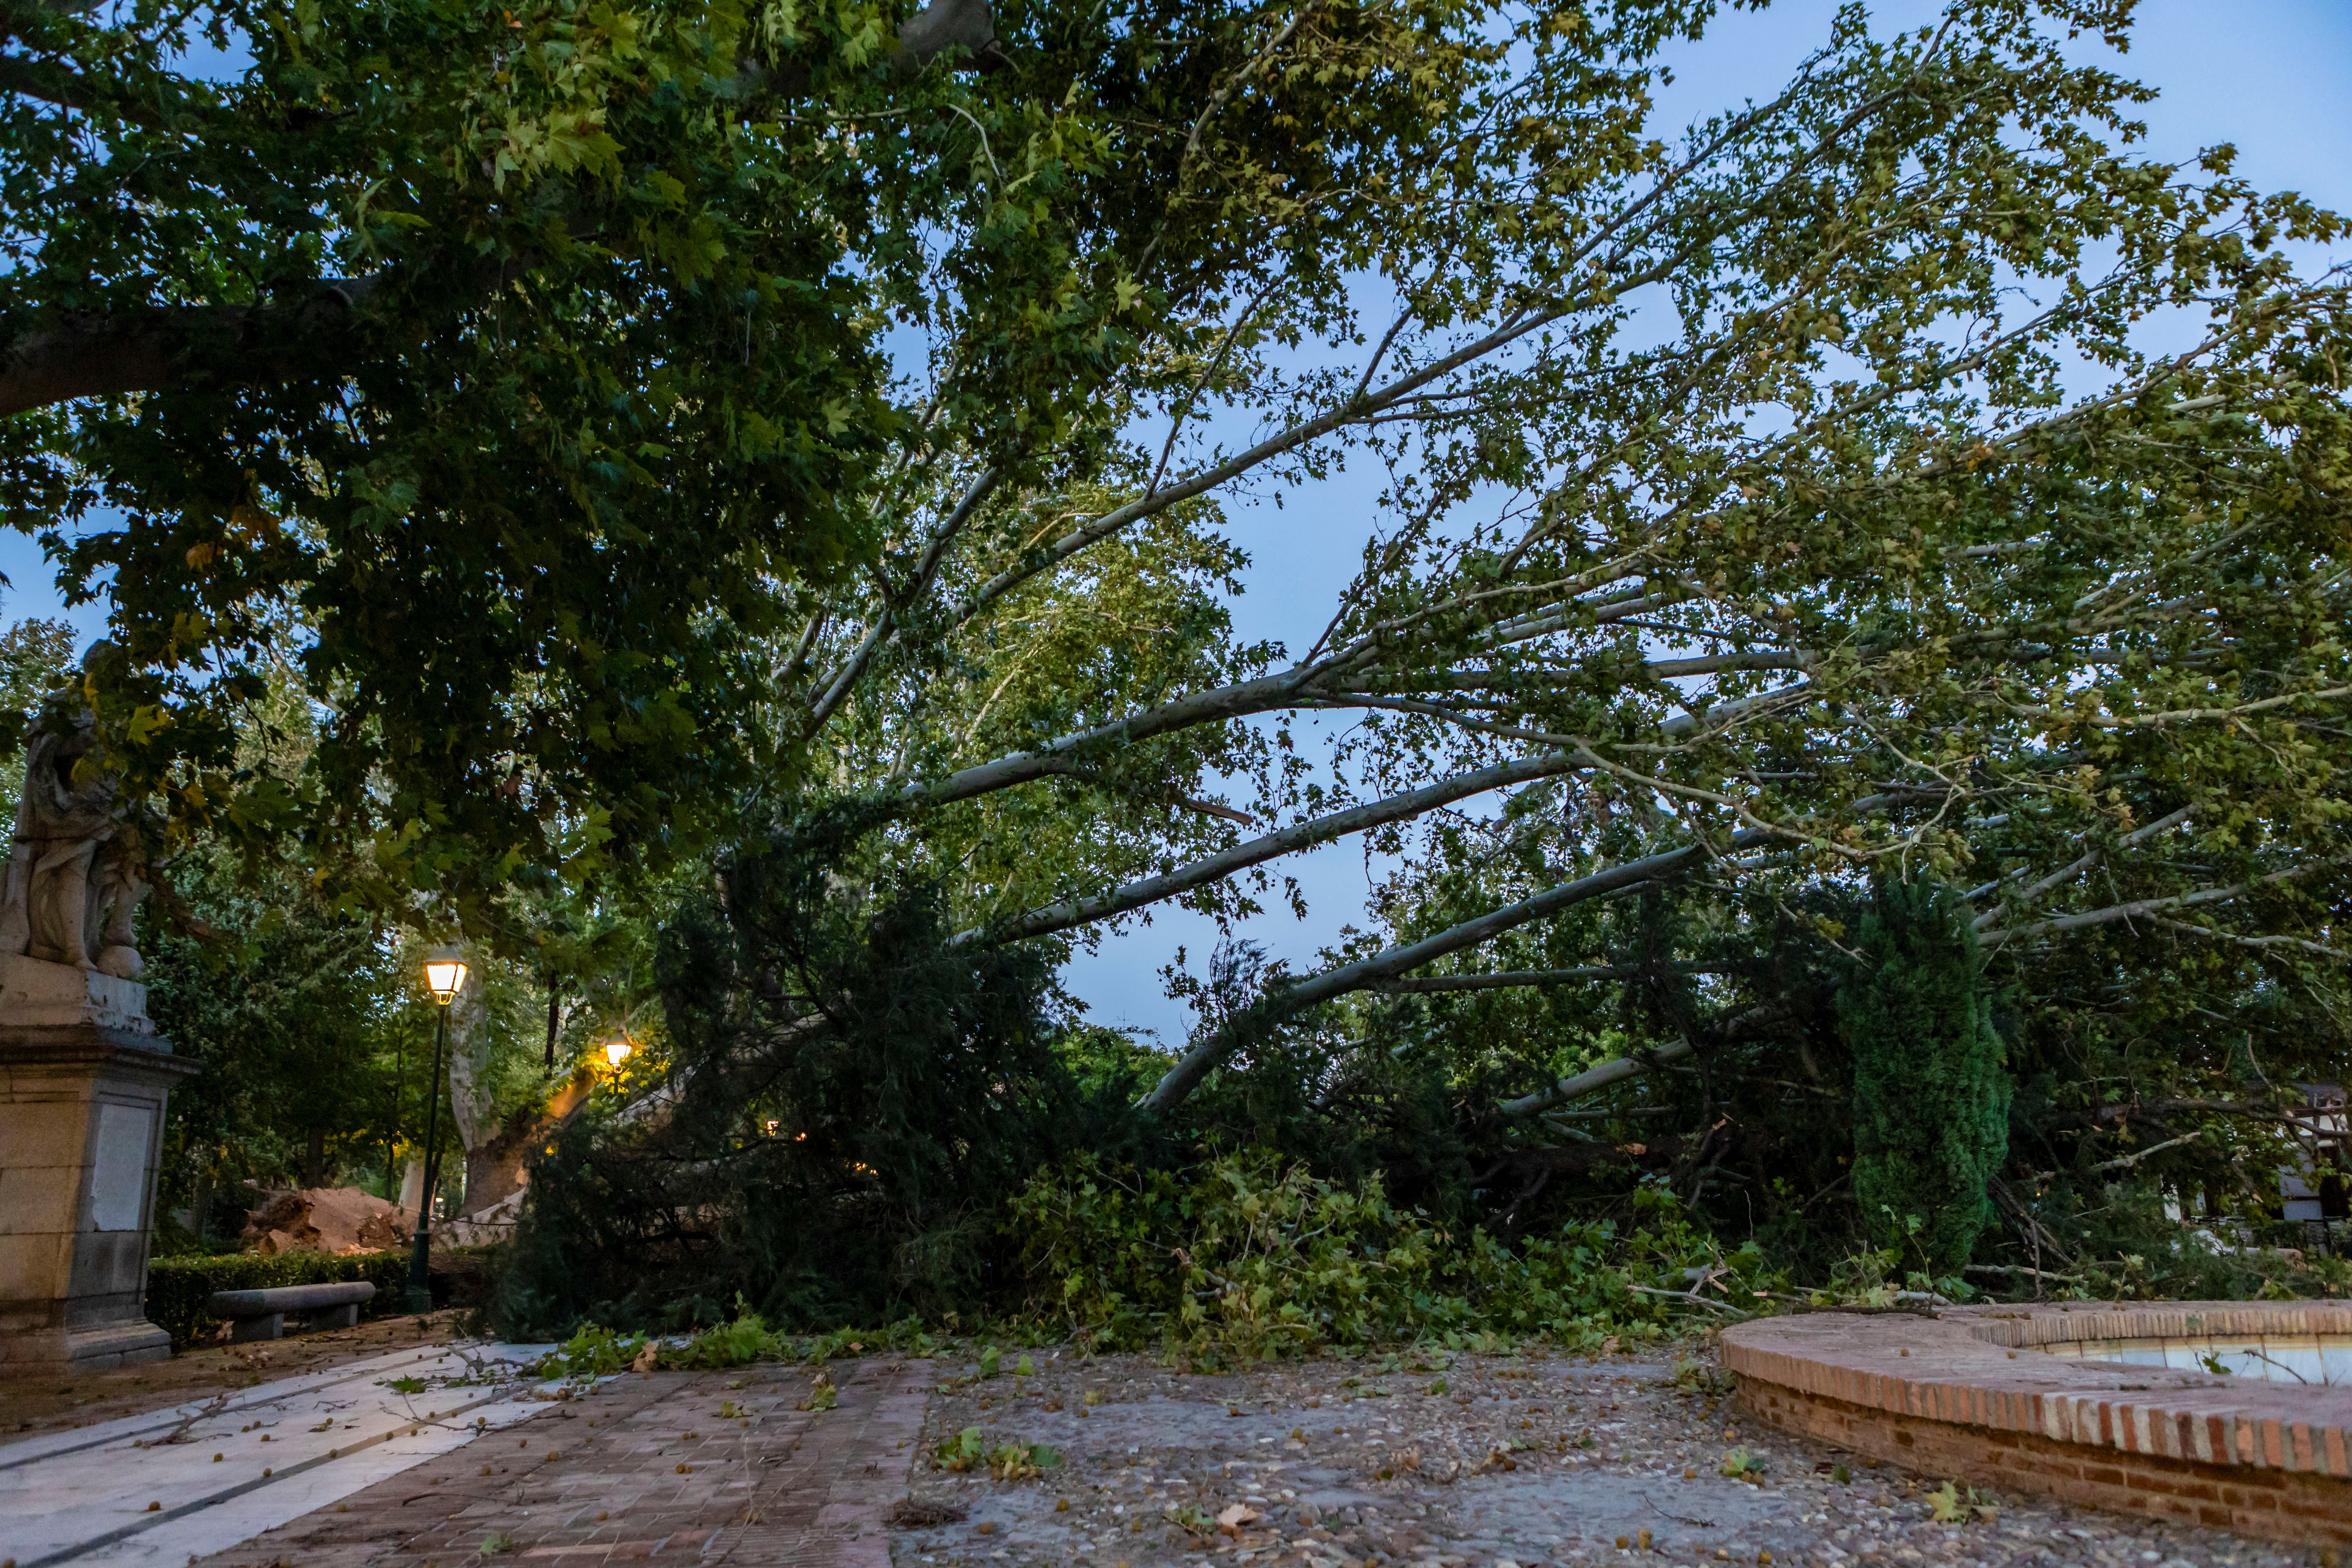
point(1456, 1461)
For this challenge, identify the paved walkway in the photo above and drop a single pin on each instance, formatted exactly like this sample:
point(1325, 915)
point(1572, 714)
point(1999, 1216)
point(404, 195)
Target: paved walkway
point(714, 1466)
point(48, 1402)
point(344, 1469)
point(163, 1485)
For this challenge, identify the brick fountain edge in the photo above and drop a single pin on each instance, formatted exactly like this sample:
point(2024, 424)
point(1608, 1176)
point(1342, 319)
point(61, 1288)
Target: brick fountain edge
point(1968, 1395)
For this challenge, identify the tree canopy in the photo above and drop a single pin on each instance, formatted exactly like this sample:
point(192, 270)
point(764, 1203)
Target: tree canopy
point(1769, 504)
point(517, 376)
point(645, 428)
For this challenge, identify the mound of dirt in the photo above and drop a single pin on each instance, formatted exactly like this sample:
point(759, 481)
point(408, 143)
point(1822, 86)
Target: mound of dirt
point(328, 1219)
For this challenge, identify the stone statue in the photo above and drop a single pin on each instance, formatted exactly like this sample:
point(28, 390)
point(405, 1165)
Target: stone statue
point(74, 873)
point(943, 24)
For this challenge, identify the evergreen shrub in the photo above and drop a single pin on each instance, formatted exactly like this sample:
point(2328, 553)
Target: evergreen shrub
point(1931, 1092)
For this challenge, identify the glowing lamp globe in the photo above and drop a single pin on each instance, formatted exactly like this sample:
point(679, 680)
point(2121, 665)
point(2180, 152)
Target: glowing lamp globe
point(616, 1052)
point(445, 972)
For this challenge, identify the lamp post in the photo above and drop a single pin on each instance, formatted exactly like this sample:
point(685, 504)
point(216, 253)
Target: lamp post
point(445, 972)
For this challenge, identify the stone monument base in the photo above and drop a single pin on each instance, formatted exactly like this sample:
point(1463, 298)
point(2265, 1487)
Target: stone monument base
point(95, 1350)
point(84, 1079)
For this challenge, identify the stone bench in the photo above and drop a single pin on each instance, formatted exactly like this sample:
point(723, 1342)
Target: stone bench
point(261, 1314)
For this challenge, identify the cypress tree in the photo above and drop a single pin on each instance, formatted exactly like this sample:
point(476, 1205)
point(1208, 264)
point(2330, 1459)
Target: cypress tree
point(1930, 1089)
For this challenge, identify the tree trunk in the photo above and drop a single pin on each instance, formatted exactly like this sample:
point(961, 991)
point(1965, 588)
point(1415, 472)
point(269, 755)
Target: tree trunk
point(314, 1159)
point(494, 1168)
point(499, 1166)
point(498, 1152)
point(470, 1106)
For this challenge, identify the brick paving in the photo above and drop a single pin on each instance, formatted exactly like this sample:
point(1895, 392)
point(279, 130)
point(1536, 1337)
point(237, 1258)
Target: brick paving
point(714, 1466)
point(2267, 1459)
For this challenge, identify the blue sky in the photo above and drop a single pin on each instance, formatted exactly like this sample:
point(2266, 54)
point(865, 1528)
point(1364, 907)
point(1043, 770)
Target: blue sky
point(2273, 75)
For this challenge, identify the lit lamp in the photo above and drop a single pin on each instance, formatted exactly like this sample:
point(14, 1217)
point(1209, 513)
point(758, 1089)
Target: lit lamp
point(445, 974)
point(617, 1051)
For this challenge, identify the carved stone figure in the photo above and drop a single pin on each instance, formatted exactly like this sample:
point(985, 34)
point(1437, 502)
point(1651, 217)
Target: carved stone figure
point(74, 873)
point(941, 25)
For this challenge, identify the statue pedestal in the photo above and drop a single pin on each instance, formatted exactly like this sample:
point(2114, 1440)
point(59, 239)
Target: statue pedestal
point(83, 1083)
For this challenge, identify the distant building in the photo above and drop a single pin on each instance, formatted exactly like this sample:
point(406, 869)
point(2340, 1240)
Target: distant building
point(2315, 1186)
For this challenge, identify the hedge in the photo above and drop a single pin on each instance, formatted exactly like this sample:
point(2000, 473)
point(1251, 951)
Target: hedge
point(178, 1288)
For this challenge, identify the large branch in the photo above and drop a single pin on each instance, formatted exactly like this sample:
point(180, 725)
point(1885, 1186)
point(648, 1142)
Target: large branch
point(926, 569)
point(1241, 700)
point(2297, 943)
point(2089, 858)
point(1296, 997)
point(1516, 979)
point(1215, 867)
point(1293, 688)
point(1593, 1079)
point(89, 355)
point(2138, 908)
point(53, 84)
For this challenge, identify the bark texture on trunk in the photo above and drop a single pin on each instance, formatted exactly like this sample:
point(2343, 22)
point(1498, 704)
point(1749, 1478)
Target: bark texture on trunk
point(470, 1106)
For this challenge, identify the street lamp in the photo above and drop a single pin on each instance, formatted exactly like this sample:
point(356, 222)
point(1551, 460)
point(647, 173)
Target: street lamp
point(445, 973)
point(617, 1051)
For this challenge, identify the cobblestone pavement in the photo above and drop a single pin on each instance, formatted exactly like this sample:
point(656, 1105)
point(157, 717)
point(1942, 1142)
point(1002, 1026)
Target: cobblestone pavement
point(713, 1466)
point(1463, 1462)
point(55, 1401)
